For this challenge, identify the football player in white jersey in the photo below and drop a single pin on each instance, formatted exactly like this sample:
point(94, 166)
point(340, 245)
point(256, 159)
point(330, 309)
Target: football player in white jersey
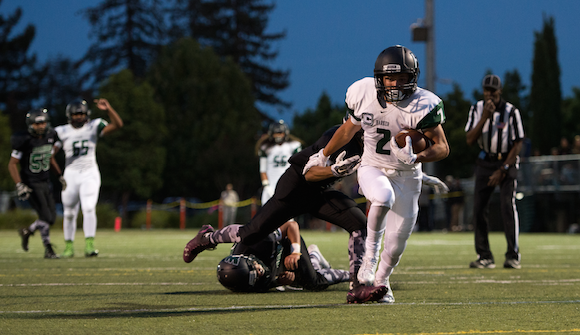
point(390, 177)
point(274, 152)
point(82, 175)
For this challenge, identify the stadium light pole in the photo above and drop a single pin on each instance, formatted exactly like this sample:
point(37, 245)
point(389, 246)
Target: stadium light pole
point(424, 31)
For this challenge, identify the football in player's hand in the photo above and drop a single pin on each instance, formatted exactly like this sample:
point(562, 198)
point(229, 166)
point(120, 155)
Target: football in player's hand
point(420, 141)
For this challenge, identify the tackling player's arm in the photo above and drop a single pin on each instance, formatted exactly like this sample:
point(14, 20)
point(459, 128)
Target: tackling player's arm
point(341, 137)
point(439, 148)
point(116, 121)
point(291, 231)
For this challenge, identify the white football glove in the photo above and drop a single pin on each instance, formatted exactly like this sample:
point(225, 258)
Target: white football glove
point(23, 191)
point(62, 182)
point(438, 185)
point(343, 167)
point(317, 159)
point(404, 154)
point(268, 190)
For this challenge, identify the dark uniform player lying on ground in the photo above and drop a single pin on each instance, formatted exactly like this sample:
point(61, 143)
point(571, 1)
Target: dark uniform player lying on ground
point(270, 263)
point(296, 194)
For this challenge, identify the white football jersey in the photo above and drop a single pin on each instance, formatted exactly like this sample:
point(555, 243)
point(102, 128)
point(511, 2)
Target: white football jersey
point(274, 159)
point(421, 110)
point(79, 144)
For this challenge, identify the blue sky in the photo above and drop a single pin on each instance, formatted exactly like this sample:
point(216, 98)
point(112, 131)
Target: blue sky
point(332, 43)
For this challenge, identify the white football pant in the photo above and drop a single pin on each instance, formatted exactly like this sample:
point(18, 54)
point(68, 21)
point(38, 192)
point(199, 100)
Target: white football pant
point(394, 197)
point(82, 190)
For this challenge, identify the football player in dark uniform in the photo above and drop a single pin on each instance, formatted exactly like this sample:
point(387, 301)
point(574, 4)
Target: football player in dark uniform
point(32, 150)
point(305, 188)
point(270, 263)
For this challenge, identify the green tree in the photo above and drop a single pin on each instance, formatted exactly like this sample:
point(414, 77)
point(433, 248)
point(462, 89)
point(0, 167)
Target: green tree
point(127, 34)
point(309, 125)
point(132, 159)
point(546, 94)
point(211, 120)
point(6, 182)
point(236, 29)
point(18, 75)
point(571, 114)
point(461, 160)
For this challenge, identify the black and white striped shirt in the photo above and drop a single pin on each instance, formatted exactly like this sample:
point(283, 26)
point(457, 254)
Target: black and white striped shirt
point(499, 135)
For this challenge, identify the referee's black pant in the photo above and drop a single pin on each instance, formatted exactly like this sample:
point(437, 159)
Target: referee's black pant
point(509, 214)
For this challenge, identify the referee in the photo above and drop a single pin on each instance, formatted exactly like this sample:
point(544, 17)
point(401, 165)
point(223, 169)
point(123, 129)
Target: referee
point(496, 126)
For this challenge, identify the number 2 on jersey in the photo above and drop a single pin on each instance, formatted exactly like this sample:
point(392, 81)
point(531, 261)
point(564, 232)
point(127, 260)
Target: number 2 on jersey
point(383, 141)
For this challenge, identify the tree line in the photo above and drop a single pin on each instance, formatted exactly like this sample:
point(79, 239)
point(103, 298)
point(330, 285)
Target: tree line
point(186, 76)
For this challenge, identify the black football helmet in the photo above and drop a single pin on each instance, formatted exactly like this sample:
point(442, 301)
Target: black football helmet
point(78, 106)
point(242, 273)
point(396, 59)
point(276, 128)
point(37, 116)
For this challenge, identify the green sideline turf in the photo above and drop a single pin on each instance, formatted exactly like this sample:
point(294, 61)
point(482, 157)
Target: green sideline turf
point(139, 284)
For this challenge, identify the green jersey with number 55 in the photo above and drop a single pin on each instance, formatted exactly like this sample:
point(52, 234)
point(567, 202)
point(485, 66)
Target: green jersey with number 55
point(421, 110)
point(79, 144)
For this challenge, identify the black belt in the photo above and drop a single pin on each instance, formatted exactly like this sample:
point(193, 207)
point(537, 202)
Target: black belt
point(492, 157)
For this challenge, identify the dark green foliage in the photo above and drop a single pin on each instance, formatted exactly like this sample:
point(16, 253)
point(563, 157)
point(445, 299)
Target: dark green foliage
point(132, 159)
point(127, 34)
point(571, 115)
point(18, 75)
point(235, 29)
point(6, 182)
point(309, 125)
point(211, 120)
point(460, 161)
point(546, 95)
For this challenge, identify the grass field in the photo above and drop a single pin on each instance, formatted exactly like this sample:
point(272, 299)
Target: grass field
point(139, 284)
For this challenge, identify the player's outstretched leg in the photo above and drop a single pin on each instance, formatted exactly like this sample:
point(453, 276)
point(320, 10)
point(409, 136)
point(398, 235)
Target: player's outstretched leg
point(198, 244)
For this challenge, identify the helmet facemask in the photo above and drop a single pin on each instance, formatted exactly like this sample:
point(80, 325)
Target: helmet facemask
point(77, 107)
point(393, 60)
point(37, 116)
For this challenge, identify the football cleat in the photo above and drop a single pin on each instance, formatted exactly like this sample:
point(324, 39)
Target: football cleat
point(362, 294)
point(313, 249)
point(90, 250)
point(25, 235)
point(49, 252)
point(366, 273)
point(68, 250)
point(482, 264)
point(388, 298)
point(198, 244)
point(512, 264)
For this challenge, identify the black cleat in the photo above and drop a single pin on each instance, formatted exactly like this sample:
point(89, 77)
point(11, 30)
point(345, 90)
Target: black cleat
point(25, 235)
point(198, 244)
point(482, 264)
point(362, 294)
point(49, 253)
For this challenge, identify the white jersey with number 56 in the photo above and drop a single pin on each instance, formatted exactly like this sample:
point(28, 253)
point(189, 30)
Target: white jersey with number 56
point(79, 144)
point(421, 110)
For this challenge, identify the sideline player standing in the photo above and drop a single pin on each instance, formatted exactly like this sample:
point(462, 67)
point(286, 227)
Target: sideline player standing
point(496, 126)
point(33, 151)
point(79, 142)
point(274, 152)
point(389, 176)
